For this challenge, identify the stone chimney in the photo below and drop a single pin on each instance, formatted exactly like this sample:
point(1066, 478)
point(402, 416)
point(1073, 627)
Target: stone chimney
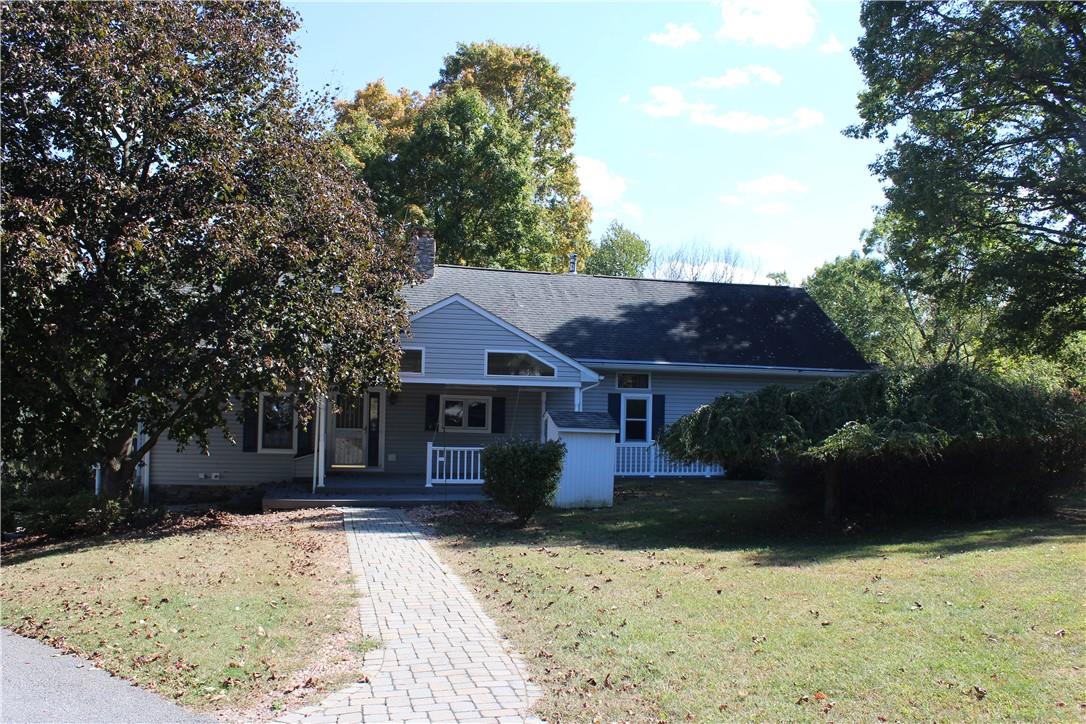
point(572, 263)
point(425, 252)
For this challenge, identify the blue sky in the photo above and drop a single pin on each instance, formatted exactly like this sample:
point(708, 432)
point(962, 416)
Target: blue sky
point(711, 123)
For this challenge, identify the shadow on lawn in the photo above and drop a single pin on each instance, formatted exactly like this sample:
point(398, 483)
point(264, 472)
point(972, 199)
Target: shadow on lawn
point(175, 524)
point(750, 516)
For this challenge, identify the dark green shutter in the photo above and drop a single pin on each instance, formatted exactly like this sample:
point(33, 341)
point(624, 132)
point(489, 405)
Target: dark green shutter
point(432, 403)
point(250, 422)
point(497, 415)
point(614, 409)
point(657, 415)
point(305, 437)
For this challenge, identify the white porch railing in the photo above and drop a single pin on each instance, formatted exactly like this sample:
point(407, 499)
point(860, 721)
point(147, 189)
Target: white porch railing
point(453, 465)
point(646, 460)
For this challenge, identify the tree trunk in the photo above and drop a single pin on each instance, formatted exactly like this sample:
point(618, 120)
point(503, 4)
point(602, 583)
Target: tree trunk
point(118, 468)
point(830, 503)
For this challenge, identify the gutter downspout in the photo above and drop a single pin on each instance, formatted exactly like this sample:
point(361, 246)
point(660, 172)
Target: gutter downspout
point(578, 394)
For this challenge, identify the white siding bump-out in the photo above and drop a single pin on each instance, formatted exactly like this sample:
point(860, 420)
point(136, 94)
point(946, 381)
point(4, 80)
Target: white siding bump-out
point(588, 474)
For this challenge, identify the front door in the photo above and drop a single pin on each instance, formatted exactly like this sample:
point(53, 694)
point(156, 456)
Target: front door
point(349, 450)
point(357, 431)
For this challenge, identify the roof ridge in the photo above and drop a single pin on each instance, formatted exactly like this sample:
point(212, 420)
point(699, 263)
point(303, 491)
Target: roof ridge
point(613, 276)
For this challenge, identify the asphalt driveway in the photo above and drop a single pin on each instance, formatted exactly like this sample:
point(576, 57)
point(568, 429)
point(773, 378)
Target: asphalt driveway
point(42, 685)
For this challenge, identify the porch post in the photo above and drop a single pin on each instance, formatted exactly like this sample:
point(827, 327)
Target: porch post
point(322, 414)
point(430, 464)
point(316, 439)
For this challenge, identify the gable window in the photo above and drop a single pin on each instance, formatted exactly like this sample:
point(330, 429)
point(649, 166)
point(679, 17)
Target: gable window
point(411, 360)
point(635, 418)
point(277, 424)
point(632, 381)
point(517, 364)
point(465, 414)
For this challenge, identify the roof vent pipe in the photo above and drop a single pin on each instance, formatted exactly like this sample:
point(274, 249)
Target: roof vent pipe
point(572, 263)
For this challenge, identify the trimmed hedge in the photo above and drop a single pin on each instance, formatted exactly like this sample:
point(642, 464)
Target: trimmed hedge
point(522, 476)
point(937, 442)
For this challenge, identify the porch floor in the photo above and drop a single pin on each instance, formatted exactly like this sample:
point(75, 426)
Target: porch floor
point(368, 490)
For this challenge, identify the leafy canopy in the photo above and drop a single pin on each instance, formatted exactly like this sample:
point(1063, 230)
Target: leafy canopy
point(620, 253)
point(176, 230)
point(492, 144)
point(984, 104)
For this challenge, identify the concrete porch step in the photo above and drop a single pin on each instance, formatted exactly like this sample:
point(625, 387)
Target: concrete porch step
point(295, 500)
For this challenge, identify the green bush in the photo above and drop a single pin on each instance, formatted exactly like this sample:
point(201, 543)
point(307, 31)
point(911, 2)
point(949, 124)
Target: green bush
point(522, 476)
point(938, 442)
point(66, 516)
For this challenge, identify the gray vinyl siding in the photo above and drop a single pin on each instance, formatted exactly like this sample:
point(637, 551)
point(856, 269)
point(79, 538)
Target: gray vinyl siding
point(405, 423)
point(683, 393)
point(170, 467)
point(560, 400)
point(456, 338)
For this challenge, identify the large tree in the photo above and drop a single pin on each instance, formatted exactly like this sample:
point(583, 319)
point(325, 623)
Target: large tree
point(176, 230)
point(984, 105)
point(620, 253)
point(469, 171)
point(535, 94)
point(507, 101)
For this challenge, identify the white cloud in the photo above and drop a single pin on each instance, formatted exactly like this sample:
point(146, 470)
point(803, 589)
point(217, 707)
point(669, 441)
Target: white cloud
point(668, 102)
point(832, 46)
point(602, 186)
point(776, 23)
point(776, 183)
point(624, 99)
point(758, 193)
point(735, 77)
point(746, 122)
point(676, 36)
point(605, 189)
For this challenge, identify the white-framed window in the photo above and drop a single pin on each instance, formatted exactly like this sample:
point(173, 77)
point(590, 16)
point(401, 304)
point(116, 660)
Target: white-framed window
point(412, 360)
point(277, 424)
point(636, 415)
point(633, 381)
point(515, 363)
point(464, 414)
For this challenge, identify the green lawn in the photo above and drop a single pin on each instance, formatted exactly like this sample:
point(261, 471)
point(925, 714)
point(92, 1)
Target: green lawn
point(234, 614)
point(705, 599)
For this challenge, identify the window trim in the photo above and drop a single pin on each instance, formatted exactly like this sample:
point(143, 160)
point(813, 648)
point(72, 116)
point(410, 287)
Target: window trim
point(648, 417)
point(533, 355)
point(465, 399)
point(648, 378)
point(421, 348)
point(293, 449)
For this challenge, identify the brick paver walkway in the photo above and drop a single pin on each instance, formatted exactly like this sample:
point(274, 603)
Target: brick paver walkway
point(441, 657)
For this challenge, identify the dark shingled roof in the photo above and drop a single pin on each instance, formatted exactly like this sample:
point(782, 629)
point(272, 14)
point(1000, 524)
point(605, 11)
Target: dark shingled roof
point(583, 420)
point(652, 320)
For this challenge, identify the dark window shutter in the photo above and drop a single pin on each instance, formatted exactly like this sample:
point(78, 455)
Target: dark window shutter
point(497, 414)
point(614, 409)
point(305, 437)
point(657, 414)
point(432, 403)
point(250, 424)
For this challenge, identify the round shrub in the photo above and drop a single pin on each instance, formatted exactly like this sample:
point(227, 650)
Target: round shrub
point(521, 475)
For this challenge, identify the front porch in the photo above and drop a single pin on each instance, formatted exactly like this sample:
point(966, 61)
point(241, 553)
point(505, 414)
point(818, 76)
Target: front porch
point(373, 489)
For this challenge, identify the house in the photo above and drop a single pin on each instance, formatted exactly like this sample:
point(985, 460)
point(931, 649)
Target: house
point(602, 362)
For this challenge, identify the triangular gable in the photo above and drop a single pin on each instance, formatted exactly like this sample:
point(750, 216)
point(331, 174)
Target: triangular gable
point(587, 374)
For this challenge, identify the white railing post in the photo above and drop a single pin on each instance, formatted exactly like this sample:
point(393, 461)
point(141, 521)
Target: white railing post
point(429, 465)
